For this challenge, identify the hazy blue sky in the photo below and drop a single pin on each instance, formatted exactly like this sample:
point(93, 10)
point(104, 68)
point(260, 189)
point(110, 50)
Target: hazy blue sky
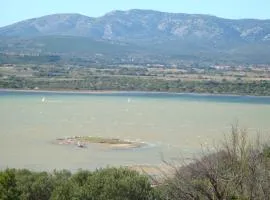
point(16, 10)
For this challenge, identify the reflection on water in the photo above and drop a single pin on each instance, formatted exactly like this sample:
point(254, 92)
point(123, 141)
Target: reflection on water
point(173, 125)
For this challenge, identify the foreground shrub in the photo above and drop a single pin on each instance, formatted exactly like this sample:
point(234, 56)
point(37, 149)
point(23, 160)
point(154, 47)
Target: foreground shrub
point(102, 184)
point(239, 169)
point(117, 183)
point(8, 185)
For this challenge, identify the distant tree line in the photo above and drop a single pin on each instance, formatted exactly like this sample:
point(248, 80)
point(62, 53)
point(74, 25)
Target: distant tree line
point(118, 83)
point(19, 59)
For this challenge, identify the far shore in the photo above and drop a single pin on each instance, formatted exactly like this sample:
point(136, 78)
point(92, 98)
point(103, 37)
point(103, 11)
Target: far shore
point(67, 91)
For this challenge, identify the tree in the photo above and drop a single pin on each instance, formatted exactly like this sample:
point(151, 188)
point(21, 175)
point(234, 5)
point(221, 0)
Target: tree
point(117, 183)
point(239, 169)
point(34, 185)
point(63, 191)
point(8, 186)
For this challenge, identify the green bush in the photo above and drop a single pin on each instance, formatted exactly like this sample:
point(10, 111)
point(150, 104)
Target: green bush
point(102, 184)
point(8, 185)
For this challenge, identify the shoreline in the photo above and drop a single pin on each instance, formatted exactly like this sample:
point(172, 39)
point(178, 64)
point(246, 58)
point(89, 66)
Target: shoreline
point(63, 91)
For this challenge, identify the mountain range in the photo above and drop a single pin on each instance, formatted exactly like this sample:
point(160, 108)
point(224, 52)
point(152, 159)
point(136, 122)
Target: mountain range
point(142, 30)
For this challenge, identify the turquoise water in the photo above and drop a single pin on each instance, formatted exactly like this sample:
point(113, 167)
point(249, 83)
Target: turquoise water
point(172, 124)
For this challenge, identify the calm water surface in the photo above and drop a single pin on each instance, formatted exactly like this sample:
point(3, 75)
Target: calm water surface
point(172, 124)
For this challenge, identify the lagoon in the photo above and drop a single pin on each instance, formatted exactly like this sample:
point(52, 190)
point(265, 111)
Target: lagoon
point(173, 125)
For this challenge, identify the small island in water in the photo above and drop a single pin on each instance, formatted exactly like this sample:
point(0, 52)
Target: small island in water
point(113, 143)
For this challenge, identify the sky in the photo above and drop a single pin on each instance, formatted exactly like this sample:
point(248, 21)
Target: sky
point(16, 10)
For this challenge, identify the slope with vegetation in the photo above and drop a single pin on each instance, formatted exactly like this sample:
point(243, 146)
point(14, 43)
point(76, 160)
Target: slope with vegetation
point(142, 32)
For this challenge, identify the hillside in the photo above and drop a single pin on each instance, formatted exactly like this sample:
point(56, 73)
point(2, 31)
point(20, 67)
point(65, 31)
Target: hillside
point(144, 25)
point(144, 32)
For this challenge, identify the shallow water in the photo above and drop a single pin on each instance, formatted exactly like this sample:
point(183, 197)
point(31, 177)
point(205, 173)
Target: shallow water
point(173, 125)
